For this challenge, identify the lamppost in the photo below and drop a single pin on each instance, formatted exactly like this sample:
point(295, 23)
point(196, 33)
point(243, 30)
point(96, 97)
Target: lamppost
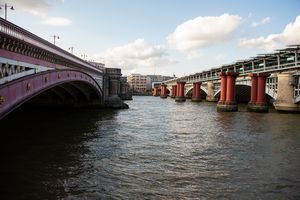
point(84, 56)
point(71, 48)
point(5, 9)
point(54, 37)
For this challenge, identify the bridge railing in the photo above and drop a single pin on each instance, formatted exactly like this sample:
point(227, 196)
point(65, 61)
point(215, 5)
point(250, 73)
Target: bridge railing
point(15, 31)
point(267, 69)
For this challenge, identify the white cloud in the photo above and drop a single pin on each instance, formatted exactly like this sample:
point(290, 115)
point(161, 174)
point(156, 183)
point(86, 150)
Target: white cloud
point(135, 55)
point(261, 22)
point(41, 8)
point(193, 55)
point(203, 31)
point(57, 21)
point(290, 35)
point(221, 57)
point(38, 8)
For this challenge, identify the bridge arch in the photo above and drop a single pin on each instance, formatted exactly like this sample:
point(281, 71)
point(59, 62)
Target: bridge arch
point(297, 99)
point(67, 87)
point(244, 91)
point(189, 90)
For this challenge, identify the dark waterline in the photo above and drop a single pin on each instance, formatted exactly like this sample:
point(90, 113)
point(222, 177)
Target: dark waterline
point(158, 149)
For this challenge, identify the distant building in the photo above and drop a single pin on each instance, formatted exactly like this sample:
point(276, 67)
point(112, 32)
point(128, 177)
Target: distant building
point(137, 83)
point(98, 65)
point(156, 79)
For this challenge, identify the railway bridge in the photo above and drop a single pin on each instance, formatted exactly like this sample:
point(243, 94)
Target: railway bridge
point(260, 81)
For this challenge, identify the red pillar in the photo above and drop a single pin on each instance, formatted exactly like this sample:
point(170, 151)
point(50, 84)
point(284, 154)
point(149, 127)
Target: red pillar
point(227, 101)
point(223, 87)
point(155, 91)
point(258, 102)
point(163, 91)
point(180, 91)
point(174, 91)
point(230, 86)
point(253, 88)
point(261, 90)
point(196, 91)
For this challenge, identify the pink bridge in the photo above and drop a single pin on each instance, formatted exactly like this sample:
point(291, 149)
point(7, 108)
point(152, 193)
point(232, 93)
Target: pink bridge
point(36, 72)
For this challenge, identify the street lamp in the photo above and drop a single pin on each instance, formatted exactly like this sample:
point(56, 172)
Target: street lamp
point(84, 56)
point(5, 9)
point(54, 37)
point(71, 48)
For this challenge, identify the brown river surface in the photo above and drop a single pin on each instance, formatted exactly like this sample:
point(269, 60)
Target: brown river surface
point(157, 149)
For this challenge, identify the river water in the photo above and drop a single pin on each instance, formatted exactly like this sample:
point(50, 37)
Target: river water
point(157, 149)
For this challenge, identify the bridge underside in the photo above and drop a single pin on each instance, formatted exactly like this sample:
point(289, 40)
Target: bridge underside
point(67, 88)
point(243, 94)
point(202, 93)
point(69, 94)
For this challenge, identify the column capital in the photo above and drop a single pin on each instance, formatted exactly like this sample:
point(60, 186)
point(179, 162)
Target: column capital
point(263, 74)
point(198, 82)
point(183, 82)
point(252, 75)
point(232, 74)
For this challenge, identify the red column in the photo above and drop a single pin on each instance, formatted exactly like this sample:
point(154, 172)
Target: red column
point(223, 87)
point(163, 91)
point(155, 91)
point(174, 91)
point(258, 102)
point(261, 89)
point(196, 91)
point(253, 88)
point(229, 90)
point(180, 91)
point(177, 90)
point(230, 87)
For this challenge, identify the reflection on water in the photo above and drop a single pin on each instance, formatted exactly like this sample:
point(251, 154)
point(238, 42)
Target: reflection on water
point(158, 149)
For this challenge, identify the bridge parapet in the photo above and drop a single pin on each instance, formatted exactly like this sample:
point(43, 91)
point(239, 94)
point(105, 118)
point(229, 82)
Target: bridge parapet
point(18, 40)
point(283, 60)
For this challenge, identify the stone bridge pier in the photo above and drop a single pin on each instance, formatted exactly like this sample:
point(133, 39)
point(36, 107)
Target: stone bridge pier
point(285, 95)
point(211, 92)
point(112, 87)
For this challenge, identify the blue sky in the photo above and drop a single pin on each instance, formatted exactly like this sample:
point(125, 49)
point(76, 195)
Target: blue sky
point(162, 36)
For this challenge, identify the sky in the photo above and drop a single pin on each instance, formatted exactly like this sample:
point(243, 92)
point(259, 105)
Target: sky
point(162, 37)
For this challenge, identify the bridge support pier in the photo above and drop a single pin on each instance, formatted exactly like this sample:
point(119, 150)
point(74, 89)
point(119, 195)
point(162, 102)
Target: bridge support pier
point(196, 97)
point(180, 92)
point(227, 102)
point(155, 91)
point(210, 92)
point(258, 102)
point(163, 91)
point(285, 94)
point(174, 91)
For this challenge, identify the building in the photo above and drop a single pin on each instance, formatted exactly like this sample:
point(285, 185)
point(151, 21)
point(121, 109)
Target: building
point(137, 83)
point(156, 79)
